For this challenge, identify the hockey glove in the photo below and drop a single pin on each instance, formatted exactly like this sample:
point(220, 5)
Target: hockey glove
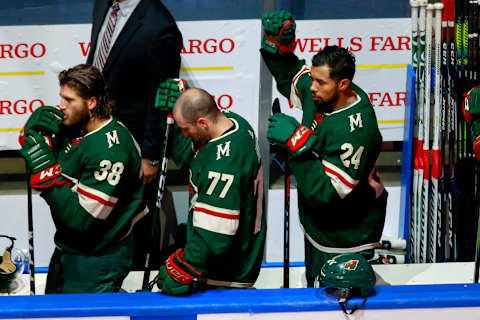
point(41, 161)
point(476, 148)
point(46, 120)
point(279, 34)
point(168, 92)
point(179, 275)
point(471, 112)
point(285, 131)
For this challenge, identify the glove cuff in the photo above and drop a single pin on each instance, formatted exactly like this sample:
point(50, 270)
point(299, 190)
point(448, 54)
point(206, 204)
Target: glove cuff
point(179, 270)
point(47, 177)
point(299, 138)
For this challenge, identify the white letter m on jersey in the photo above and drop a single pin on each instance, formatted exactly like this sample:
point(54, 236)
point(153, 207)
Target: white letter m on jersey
point(355, 121)
point(112, 137)
point(223, 150)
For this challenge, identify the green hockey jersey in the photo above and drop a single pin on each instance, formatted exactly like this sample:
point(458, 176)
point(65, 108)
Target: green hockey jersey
point(101, 199)
point(226, 227)
point(342, 202)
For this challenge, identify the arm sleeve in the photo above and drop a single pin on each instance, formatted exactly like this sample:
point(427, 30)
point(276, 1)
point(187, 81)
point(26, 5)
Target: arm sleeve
point(332, 177)
point(164, 61)
point(87, 207)
point(293, 81)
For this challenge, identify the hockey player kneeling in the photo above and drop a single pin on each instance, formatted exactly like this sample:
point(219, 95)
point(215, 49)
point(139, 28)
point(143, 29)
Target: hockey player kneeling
point(225, 227)
point(332, 153)
point(86, 165)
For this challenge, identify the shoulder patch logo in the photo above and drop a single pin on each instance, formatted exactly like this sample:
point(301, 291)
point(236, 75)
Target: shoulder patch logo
point(355, 121)
point(112, 138)
point(223, 150)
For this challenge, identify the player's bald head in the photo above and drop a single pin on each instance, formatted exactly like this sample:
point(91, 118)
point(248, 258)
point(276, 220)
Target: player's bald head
point(195, 103)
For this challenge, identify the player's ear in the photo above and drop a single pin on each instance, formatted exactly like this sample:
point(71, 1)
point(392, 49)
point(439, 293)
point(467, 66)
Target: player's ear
point(343, 84)
point(202, 122)
point(92, 103)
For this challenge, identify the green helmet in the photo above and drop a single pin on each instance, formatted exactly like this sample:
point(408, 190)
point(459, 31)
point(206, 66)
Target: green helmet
point(8, 269)
point(348, 273)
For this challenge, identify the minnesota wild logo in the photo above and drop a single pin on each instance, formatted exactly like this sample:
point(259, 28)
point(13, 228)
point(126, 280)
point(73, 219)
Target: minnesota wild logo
point(351, 265)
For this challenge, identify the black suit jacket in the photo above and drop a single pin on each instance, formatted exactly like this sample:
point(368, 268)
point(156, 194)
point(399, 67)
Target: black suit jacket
point(146, 52)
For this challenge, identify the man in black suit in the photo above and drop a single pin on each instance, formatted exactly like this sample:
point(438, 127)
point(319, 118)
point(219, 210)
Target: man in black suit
point(136, 44)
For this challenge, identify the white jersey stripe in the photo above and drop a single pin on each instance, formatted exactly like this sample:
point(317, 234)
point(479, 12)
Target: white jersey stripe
point(95, 202)
point(340, 180)
point(215, 223)
point(217, 209)
point(294, 95)
point(216, 219)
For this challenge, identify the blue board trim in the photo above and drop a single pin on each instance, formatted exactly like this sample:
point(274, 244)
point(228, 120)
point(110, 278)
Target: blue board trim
point(407, 155)
point(144, 305)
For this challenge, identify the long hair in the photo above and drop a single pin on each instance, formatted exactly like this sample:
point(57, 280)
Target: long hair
point(88, 81)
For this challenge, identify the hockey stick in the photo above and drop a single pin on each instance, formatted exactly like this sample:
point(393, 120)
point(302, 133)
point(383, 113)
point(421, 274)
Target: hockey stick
point(426, 142)
point(418, 161)
point(436, 159)
point(31, 266)
point(161, 189)
point(286, 214)
point(415, 63)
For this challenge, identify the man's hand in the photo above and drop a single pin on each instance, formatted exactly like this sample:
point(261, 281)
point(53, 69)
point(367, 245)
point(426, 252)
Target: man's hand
point(46, 120)
point(148, 171)
point(41, 161)
point(285, 131)
point(168, 92)
point(279, 34)
point(176, 276)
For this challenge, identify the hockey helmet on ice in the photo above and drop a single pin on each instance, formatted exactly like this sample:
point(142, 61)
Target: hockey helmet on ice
point(348, 274)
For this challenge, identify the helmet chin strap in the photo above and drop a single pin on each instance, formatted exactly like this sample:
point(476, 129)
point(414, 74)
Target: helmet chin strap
point(348, 309)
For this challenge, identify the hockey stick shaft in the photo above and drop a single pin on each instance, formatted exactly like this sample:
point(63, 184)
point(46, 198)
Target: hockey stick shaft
point(31, 267)
point(436, 159)
point(286, 213)
point(160, 193)
point(426, 142)
point(286, 231)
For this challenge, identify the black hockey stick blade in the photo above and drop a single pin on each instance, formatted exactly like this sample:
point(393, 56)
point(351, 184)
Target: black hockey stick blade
point(276, 106)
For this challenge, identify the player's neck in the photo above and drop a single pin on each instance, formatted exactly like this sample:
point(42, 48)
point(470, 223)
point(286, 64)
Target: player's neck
point(94, 123)
point(222, 125)
point(345, 98)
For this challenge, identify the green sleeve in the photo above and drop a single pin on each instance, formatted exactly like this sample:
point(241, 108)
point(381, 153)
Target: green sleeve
point(283, 68)
point(312, 181)
point(287, 70)
point(339, 169)
point(104, 181)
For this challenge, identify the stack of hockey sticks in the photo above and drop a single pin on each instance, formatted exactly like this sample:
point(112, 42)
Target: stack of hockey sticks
point(444, 208)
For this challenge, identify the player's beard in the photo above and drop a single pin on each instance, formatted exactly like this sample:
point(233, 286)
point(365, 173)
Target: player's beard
point(77, 119)
point(326, 106)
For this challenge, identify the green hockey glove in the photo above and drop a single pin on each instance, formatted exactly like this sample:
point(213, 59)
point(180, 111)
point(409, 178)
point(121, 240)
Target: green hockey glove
point(41, 160)
point(47, 120)
point(476, 148)
point(168, 92)
point(279, 34)
point(180, 275)
point(285, 131)
point(162, 275)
